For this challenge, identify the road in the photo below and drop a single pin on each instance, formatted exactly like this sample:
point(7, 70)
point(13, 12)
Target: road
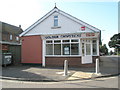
point(108, 82)
point(109, 64)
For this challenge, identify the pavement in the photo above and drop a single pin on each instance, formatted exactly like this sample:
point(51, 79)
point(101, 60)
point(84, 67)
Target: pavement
point(55, 74)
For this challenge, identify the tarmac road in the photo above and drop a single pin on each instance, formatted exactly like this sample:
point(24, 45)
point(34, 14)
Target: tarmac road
point(109, 82)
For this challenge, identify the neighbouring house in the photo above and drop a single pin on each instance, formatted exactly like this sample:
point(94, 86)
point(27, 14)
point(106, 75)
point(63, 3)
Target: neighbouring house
point(58, 36)
point(10, 41)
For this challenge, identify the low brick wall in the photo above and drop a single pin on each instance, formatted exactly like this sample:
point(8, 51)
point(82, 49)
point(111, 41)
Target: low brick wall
point(72, 61)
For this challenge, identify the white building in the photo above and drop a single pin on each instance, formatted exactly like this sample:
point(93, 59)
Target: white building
point(58, 36)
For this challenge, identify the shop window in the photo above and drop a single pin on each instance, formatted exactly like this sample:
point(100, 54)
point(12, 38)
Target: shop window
point(64, 41)
point(57, 41)
point(57, 49)
point(49, 49)
point(62, 47)
point(66, 49)
point(94, 43)
point(49, 41)
point(74, 40)
point(55, 20)
point(74, 49)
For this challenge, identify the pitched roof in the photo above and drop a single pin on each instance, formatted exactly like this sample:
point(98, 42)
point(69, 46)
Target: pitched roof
point(11, 29)
point(55, 9)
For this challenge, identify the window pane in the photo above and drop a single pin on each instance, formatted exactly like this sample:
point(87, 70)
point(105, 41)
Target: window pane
point(17, 38)
point(83, 52)
point(55, 22)
point(94, 41)
point(57, 49)
point(66, 49)
point(74, 49)
point(94, 49)
point(57, 41)
point(66, 40)
point(50, 41)
point(75, 40)
point(88, 49)
point(55, 16)
point(11, 37)
point(49, 49)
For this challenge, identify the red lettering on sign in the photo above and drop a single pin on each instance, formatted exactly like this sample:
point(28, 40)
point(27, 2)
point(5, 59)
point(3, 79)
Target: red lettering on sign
point(83, 28)
point(90, 34)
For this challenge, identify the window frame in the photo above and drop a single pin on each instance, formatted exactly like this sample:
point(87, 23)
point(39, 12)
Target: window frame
point(56, 21)
point(94, 43)
point(61, 43)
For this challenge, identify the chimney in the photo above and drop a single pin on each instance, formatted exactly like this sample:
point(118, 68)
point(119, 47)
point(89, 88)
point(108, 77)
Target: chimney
point(19, 26)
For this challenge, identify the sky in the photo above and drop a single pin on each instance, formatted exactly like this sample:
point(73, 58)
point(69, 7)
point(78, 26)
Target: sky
point(102, 14)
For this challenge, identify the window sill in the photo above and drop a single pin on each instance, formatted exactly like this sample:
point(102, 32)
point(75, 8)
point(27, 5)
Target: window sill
point(62, 55)
point(55, 27)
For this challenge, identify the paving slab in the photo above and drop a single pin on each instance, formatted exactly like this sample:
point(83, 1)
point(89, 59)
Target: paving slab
point(83, 75)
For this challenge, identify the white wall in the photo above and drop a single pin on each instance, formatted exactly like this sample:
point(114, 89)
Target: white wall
point(67, 26)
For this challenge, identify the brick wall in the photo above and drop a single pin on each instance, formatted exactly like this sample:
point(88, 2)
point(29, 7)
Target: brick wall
point(6, 37)
point(72, 61)
point(31, 49)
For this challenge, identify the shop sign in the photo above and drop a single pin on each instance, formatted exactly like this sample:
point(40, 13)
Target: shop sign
point(90, 34)
point(63, 36)
point(83, 28)
point(71, 36)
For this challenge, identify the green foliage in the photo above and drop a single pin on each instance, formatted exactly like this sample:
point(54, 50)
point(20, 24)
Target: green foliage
point(104, 49)
point(115, 42)
point(111, 52)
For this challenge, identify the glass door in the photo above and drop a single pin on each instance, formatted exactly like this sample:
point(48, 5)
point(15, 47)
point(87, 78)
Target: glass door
point(86, 51)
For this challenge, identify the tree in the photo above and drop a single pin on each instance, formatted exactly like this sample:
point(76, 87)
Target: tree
point(104, 49)
point(115, 42)
point(111, 52)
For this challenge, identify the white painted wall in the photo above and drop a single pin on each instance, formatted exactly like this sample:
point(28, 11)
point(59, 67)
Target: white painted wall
point(67, 26)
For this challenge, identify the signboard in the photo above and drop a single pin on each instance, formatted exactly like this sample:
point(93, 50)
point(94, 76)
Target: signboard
point(63, 36)
point(81, 35)
point(83, 28)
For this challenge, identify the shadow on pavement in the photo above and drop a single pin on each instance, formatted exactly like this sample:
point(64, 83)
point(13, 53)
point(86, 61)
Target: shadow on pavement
point(23, 73)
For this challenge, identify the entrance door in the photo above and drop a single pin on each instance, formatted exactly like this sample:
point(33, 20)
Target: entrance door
point(86, 51)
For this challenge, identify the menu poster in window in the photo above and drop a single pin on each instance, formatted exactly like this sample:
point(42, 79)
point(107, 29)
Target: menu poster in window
point(66, 51)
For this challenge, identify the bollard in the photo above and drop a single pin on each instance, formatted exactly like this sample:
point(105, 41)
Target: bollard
point(65, 67)
point(97, 66)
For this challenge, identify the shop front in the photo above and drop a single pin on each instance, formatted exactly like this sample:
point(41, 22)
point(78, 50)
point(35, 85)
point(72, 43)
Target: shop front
point(58, 36)
point(80, 49)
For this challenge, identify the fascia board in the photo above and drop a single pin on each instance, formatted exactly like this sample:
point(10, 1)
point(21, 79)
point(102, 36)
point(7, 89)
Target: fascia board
point(10, 43)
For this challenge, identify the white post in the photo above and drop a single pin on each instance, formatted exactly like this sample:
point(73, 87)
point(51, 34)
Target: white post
point(97, 66)
point(65, 67)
